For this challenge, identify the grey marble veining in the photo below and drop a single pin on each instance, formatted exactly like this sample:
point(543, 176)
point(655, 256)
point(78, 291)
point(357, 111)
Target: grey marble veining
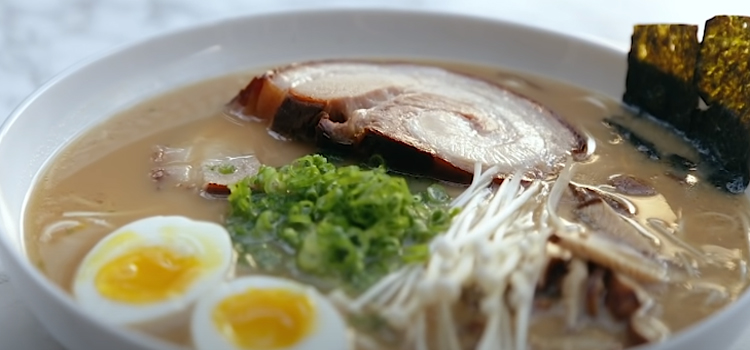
point(40, 38)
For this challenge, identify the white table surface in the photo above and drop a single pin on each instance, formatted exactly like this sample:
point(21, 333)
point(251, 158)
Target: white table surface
point(39, 38)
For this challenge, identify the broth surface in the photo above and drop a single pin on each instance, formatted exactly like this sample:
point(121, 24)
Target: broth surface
point(108, 170)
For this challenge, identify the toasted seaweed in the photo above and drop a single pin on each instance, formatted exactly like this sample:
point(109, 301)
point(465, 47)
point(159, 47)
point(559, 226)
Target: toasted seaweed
point(681, 163)
point(660, 83)
point(723, 81)
point(641, 144)
point(661, 68)
point(680, 166)
point(724, 140)
point(722, 74)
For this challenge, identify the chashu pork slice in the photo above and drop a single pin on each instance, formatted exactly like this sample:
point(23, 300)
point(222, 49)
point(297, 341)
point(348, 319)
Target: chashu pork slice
point(420, 119)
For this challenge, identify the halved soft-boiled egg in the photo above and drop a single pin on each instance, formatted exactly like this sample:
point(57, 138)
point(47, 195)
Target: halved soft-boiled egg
point(267, 313)
point(150, 272)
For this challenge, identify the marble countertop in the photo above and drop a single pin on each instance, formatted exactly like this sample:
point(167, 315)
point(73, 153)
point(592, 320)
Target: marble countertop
point(40, 38)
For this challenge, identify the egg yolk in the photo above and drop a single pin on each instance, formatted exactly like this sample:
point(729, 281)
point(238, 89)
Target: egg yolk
point(265, 318)
point(147, 275)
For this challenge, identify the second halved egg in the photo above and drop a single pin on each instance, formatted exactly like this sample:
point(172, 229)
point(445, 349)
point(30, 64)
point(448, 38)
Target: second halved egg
point(267, 313)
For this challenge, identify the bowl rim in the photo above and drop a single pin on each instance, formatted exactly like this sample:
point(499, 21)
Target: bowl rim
point(430, 14)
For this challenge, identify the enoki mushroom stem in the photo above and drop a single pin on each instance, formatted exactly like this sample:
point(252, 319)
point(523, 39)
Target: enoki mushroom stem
point(495, 246)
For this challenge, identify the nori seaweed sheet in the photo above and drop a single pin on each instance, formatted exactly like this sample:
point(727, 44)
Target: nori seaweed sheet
point(722, 74)
point(723, 81)
point(660, 83)
point(637, 141)
point(725, 142)
point(661, 68)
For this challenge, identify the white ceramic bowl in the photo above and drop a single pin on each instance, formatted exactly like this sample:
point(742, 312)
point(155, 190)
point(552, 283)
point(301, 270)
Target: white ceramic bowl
point(94, 90)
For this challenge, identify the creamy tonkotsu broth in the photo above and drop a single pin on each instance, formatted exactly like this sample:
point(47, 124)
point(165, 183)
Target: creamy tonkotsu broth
point(107, 179)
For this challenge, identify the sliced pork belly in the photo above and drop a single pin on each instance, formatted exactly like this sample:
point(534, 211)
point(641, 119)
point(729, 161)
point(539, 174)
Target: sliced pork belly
point(420, 118)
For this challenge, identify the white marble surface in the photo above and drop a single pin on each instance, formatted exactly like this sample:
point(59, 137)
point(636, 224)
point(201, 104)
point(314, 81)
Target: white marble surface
point(40, 38)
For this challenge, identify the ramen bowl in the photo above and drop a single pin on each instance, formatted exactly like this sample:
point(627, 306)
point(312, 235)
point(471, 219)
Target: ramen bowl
point(92, 91)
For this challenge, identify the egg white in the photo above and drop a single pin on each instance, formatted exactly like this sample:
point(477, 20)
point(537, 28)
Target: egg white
point(329, 329)
point(208, 242)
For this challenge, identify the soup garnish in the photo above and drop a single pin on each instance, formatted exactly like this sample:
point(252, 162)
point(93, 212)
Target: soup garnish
point(421, 119)
point(144, 273)
point(345, 224)
point(700, 88)
point(263, 312)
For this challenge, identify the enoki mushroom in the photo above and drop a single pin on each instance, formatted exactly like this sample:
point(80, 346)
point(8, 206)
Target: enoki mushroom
point(496, 246)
